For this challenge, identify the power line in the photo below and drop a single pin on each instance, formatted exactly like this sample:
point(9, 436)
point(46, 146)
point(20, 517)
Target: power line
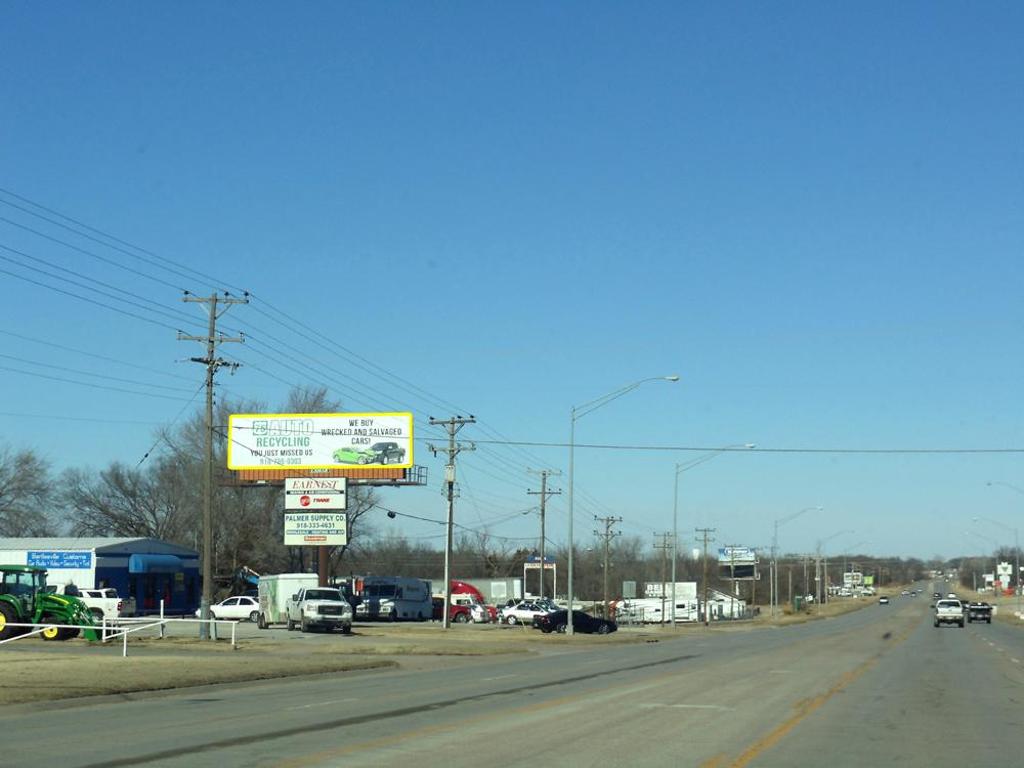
point(86, 252)
point(690, 448)
point(93, 355)
point(161, 310)
point(100, 242)
point(89, 384)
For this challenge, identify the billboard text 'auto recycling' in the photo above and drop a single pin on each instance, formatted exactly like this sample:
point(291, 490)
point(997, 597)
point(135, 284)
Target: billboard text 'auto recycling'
point(320, 440)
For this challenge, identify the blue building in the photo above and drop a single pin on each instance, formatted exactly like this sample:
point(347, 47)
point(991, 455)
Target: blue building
point(148, 570)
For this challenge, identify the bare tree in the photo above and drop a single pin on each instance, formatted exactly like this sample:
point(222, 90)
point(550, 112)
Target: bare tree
point(25, 494)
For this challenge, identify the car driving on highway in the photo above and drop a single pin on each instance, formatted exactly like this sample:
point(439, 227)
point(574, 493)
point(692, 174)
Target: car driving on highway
point(949, 612)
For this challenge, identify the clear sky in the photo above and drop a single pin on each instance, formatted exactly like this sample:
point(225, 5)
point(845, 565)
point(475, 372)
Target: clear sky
point(812, 212)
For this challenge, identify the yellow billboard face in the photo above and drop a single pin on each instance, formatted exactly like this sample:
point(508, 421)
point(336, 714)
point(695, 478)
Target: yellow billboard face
point(320, 441)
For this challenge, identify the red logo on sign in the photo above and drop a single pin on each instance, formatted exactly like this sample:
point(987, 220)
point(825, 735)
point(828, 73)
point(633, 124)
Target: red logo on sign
point(304, 501)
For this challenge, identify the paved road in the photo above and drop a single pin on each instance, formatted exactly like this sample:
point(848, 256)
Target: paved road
point(877, 687)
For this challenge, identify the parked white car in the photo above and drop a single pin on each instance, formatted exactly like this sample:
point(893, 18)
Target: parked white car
point(235, 609)
point(523, 612)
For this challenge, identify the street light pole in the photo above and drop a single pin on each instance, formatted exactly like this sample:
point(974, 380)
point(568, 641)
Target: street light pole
point(1016, 546)
point(823, 590)
point(774, 571)
point(680, 468)
point(578, 412)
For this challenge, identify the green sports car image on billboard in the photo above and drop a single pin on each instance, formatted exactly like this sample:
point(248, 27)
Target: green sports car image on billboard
point(378, 453)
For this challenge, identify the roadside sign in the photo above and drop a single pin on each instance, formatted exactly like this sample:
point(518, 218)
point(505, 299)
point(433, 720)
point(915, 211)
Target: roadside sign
point(315, 493)
point(311, 529)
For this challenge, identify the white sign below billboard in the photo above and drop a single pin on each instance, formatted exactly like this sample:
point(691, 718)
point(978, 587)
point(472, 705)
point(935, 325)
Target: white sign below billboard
point(313, 529)
point(320, 441)
point(315, 493)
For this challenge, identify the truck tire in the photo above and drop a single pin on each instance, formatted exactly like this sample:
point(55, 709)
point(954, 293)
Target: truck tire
point(303, 626)
point(936, 624)
point(291, 625)
point(346, 629)
point(97, 613)
point(460, 618)
point(8, 616)
point(961, 623)
point(261, 621)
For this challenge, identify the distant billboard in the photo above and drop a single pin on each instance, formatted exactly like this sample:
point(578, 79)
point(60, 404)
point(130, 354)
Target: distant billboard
point(320, 441)
point(737, 563)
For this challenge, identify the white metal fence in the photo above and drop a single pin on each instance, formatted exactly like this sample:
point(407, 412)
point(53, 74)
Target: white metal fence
point(112, 630)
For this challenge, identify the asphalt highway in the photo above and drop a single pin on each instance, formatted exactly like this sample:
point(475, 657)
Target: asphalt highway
point(879, 686)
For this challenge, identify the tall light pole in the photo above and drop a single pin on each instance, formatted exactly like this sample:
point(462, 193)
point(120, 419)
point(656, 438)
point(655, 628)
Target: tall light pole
point(1016, 540)
point(680, 468)
point(774, 575)
point(577, 413)
point(821, 542)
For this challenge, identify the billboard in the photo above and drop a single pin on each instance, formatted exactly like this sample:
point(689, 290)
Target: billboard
point(306, 529)
point(737, 563)
point(320, 441)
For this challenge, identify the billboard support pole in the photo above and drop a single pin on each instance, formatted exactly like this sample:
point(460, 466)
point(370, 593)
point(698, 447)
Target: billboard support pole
point(211, 339)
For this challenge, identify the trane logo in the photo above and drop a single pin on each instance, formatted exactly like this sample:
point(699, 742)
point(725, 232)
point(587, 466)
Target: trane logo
point(307, 500)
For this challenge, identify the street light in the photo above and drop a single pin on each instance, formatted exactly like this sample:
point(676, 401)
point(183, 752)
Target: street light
point(821, 542)
point(774, 575)
point(578, 412)
point(1016, 540)
point(680, 468)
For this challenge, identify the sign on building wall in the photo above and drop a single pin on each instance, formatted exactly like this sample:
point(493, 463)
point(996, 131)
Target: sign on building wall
point(308, 529)
point(320, 440)
point(59, 559)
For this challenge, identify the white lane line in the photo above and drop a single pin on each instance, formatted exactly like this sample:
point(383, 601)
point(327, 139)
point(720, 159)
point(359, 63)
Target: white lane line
point(991, 643)
point(780, 671)
point(687, 706)
point(1015, 661)
point(499, 677)
point(322, 703)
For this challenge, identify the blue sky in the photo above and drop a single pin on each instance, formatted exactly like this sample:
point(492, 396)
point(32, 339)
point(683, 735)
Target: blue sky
point(811, 212)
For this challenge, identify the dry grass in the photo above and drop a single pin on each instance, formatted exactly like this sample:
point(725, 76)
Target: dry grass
point(31, 677)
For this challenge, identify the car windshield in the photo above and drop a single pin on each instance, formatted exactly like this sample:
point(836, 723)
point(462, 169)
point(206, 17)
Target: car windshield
point(323, 594)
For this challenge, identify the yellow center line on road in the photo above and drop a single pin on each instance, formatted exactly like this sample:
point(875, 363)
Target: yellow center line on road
point(804, 708)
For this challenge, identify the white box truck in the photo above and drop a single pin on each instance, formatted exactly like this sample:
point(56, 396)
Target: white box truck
point(276, 590)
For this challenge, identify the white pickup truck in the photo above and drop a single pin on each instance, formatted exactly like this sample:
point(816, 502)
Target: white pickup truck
point(102, 603)
point(949, 612)
point(319, 607)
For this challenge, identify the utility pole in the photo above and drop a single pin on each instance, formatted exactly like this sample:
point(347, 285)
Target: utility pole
point(662, 541)
point(544, 493)
point(607, 535)
point(212, 363)
point(705, 532)
point(453, 425)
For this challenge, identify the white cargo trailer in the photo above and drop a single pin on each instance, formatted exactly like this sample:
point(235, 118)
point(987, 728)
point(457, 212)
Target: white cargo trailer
point(276, 590)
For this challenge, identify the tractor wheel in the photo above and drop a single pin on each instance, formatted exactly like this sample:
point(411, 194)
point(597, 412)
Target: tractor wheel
point(8, 616)
point(51, 633)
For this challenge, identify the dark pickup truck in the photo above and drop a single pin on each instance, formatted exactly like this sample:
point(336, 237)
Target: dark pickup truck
point(979, 612)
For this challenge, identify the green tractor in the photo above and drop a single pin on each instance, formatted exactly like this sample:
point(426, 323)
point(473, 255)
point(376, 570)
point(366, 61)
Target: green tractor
point(25, 599)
